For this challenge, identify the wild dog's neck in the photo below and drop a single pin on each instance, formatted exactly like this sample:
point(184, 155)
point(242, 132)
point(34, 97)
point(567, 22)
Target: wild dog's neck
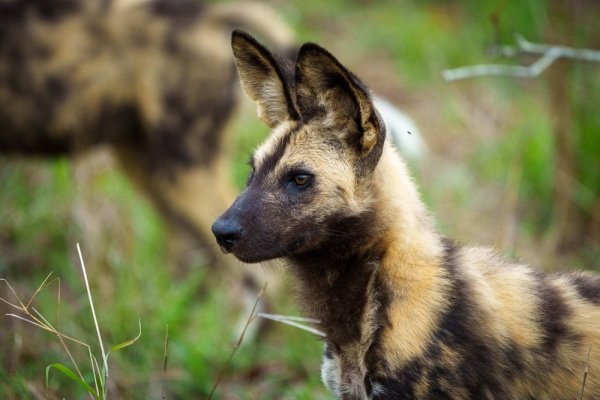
point(392, 216)
point(404, 219)
point(340, 283)
point(336, 291)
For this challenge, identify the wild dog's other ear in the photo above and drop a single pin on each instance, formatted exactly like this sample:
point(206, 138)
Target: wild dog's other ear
point(327, 90)
point(263, 79)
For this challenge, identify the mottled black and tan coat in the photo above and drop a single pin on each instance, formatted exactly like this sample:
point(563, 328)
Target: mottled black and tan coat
point(153, 79)
point(407, 313)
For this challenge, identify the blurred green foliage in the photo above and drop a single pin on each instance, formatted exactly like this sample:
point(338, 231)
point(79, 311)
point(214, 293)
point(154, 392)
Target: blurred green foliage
point(496, 131)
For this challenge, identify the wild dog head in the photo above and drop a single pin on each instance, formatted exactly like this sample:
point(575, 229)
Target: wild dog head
point(309, 185)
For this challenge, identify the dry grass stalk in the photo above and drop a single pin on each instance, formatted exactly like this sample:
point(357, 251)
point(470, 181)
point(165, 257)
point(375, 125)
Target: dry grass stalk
point(89, 293)
point(253, 315)
point(28, 313)
point(166, 357)
point(585, 373)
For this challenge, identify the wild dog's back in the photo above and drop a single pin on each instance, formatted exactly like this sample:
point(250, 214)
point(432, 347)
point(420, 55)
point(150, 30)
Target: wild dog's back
point(78, 73)
point(502, 330)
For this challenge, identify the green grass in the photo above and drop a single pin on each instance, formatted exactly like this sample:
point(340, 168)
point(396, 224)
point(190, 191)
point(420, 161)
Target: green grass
point(485, 135)
point(130, 280)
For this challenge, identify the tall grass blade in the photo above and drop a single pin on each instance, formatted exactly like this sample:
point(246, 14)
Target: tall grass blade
point(87, 287)
point(166, 358)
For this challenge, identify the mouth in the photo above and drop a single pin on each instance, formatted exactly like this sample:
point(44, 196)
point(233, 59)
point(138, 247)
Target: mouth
point(224, 250)
point(251, 257)
point(249, 251)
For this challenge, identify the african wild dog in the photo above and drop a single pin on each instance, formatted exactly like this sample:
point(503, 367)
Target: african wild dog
point(154, 80)
point(408, 314)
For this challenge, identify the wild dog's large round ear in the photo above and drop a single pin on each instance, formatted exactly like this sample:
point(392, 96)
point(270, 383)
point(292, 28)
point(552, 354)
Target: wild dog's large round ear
point(326, 90)
point(264, 79)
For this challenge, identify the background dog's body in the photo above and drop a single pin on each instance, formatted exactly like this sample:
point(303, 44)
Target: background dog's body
point(406, 313)
point(154, 80)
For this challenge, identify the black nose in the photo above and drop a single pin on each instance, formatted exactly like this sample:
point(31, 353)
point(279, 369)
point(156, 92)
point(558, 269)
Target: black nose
point(227, 232)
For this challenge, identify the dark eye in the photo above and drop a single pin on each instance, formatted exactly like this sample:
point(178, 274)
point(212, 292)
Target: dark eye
point(301, 179)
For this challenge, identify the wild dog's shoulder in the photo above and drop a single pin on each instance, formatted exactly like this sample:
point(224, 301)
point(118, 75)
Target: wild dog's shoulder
point(585, 284)
point(502, 286)
point(483, 257)
point(485, 262)
point(485, 265)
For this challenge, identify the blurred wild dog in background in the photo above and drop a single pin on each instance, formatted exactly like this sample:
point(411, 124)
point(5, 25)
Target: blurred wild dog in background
point(407, 313)
point(154, 80)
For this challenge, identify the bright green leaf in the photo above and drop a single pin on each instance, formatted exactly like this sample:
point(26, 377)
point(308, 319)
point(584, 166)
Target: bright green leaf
point(128, 342)
point(65, 370)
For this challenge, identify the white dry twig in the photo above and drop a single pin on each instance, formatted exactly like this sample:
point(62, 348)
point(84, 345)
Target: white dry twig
point(549, 54)
point(294, 321)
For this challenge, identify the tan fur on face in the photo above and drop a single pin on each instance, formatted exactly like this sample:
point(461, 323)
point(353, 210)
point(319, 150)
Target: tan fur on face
point(319, 157)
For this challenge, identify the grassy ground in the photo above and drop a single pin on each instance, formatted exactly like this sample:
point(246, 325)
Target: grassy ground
point(488, 178)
